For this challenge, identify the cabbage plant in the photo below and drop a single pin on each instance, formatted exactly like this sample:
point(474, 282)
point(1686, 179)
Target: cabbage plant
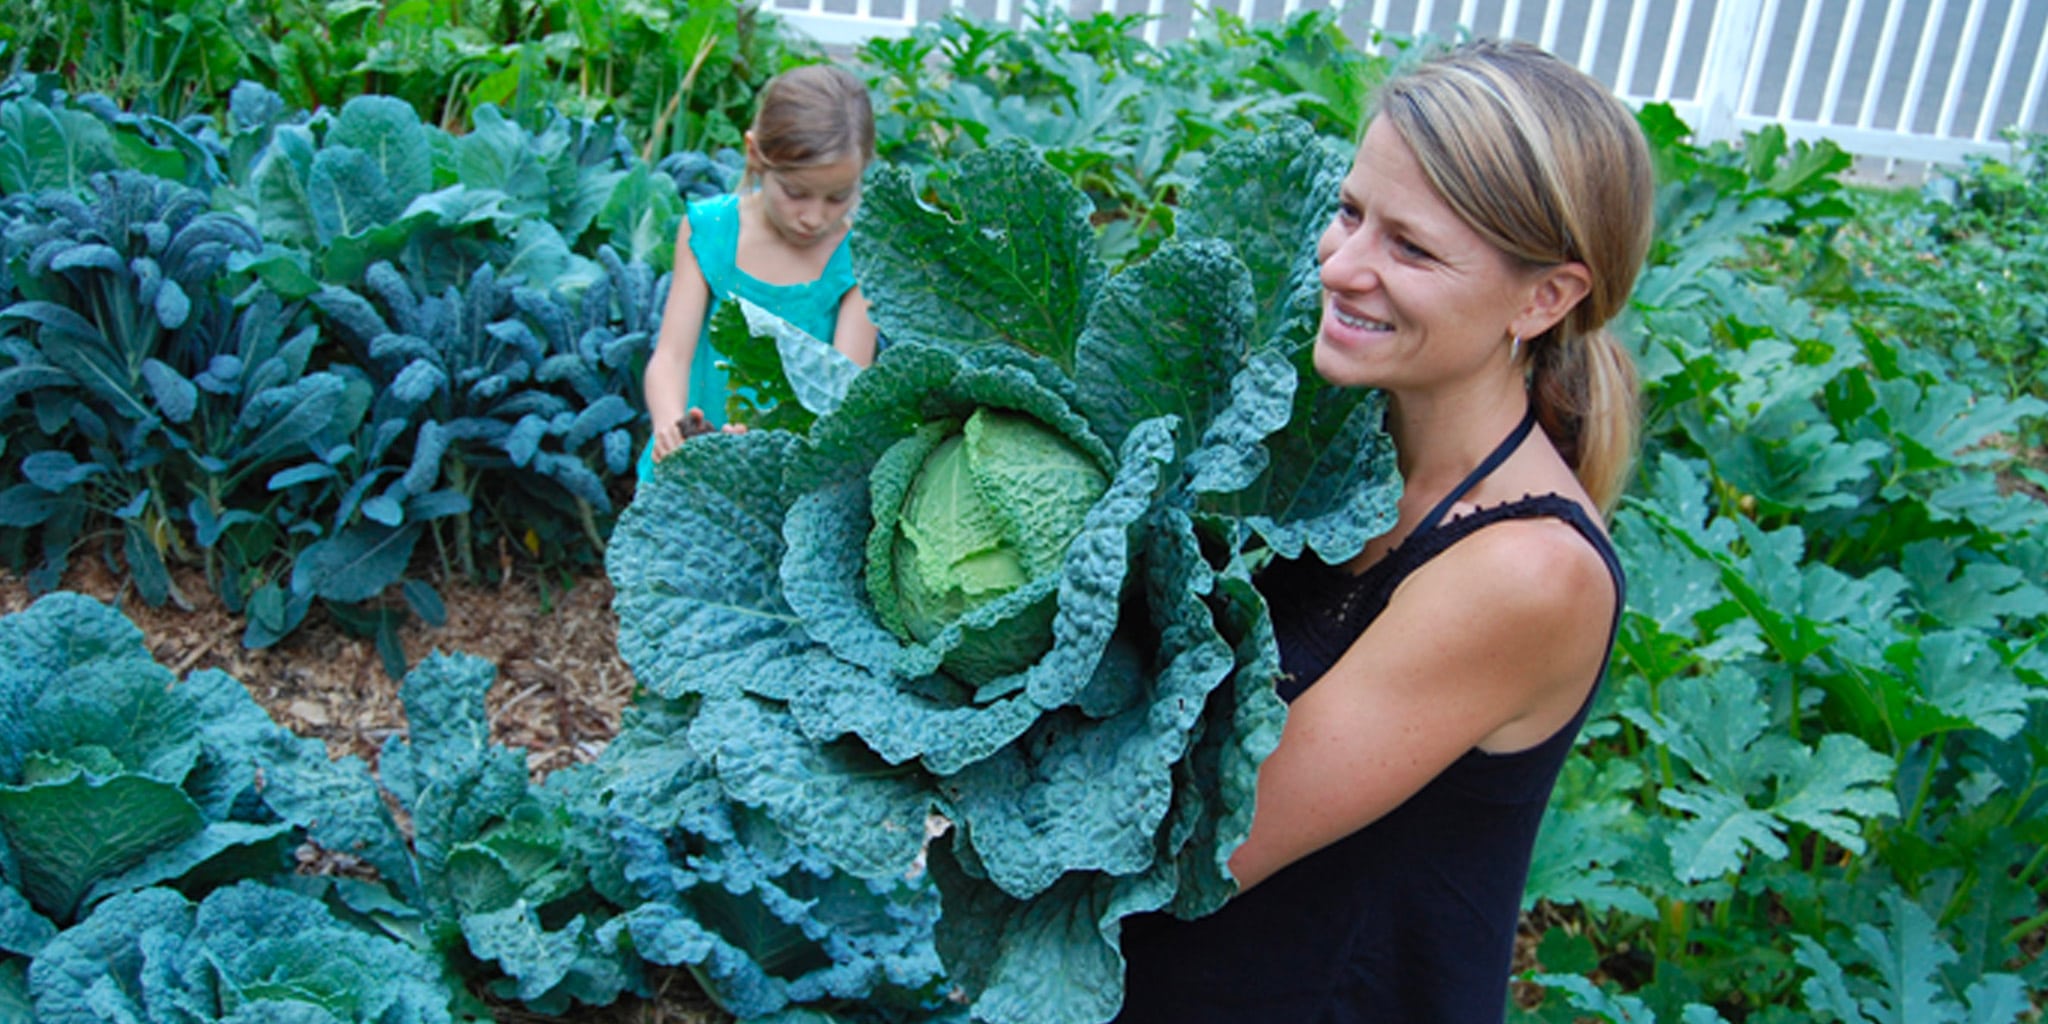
point(1003, 581)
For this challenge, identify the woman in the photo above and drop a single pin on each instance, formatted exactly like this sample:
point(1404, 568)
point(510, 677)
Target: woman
point(1493, 220)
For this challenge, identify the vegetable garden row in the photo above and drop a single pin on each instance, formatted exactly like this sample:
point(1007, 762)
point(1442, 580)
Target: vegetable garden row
point(334, 355)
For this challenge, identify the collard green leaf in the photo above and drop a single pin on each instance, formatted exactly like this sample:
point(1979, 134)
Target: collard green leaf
point(51, 148)
point(498, 154)
point(1007, 256)
point(347, 194)
point(389, 132)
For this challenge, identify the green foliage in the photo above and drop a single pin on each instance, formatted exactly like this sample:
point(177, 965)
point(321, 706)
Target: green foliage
point(1815, 789)
point(767, 922)
point(177, 57)
point(394, 301)
point(163, 375)
point(117, 776)
point(1129, 123)
point(674, 76)
point(1962, 270)
point(487, 877)
point(243, 954)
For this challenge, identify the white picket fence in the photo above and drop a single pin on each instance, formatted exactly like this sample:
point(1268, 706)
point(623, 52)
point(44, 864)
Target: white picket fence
point(1913, 81)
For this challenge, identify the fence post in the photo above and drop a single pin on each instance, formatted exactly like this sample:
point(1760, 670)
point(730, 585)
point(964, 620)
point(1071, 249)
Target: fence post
point(1737, 34)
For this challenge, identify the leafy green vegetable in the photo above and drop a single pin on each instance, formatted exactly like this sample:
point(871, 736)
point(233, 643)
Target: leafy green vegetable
point(966, 514)
point(243, 954)
point(1032, 452)
point(489, 868)
point(116, 776)
point(763, 919)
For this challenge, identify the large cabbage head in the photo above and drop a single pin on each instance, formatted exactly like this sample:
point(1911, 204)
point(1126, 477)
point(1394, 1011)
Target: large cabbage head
point(967, 516)
point(1003, 580)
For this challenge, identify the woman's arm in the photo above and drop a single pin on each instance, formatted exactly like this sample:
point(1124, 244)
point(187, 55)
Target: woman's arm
point(666, 382)
point(1493, 644)
point(853, 334)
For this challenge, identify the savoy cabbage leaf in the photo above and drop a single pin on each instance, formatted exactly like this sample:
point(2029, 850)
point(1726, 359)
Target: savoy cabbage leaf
point(758, 582)
point(115, 774)
point(489, 869)
point(245, 953)
point(747, 902)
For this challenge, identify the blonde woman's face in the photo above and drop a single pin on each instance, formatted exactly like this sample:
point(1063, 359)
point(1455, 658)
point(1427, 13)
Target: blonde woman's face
point(1412, 295)
point(807, 205)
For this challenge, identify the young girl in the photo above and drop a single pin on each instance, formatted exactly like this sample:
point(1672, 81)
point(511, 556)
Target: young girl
point(779, 242)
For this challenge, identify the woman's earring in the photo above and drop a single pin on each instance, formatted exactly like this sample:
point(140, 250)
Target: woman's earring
point(1515, 349)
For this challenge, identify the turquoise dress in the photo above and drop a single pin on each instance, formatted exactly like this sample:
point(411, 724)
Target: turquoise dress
point(810, 305)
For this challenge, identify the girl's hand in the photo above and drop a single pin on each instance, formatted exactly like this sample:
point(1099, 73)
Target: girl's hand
point(670, 436)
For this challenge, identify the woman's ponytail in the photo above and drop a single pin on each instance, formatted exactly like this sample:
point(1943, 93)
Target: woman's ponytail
point(1586, 396)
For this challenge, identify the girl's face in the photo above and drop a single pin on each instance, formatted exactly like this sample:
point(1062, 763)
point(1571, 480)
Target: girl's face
point(1412, 296)
point(806, 205)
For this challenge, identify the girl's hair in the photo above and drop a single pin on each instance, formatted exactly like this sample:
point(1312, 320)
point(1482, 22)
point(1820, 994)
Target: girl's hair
point(810, 115)
point(1550, 168)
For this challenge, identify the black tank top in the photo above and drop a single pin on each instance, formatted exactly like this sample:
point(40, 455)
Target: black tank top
point(1410, 920)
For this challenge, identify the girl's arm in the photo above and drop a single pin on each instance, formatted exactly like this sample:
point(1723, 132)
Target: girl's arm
point(667, 379)
point(1494, 644)
point(853, 334)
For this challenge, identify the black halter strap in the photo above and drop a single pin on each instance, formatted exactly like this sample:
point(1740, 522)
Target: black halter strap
point(1492, 461)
